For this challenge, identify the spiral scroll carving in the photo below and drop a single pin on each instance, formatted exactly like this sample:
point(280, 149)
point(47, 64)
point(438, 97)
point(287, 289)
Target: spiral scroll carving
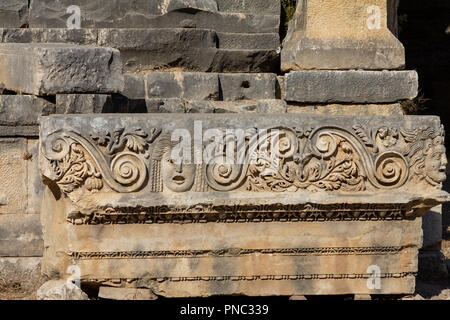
point(129, 170)
point(391, 169)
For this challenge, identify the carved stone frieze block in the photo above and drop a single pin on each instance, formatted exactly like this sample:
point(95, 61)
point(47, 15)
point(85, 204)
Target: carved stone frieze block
point(279, 204)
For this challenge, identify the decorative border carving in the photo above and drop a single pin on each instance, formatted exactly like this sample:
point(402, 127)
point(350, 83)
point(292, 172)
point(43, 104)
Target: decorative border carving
point(235, 252)
point(119, 281)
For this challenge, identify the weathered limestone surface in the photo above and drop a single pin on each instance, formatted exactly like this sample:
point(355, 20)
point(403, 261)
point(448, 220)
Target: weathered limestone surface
point(341, 34)
point(25, 271)
point(351, 86)
point(349, 110)
point(20, 235)
point(46, 69)
point(13, 13)
point(22, 110)
point(290, 222)
point(13, 198)
point(60, 290)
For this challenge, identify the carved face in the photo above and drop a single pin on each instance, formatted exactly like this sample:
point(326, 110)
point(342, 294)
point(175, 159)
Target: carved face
point(436, 162)
point(178, 177)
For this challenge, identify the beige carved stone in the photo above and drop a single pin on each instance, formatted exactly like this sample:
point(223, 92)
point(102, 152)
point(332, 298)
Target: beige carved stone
point(316, 205)
point(341, 34)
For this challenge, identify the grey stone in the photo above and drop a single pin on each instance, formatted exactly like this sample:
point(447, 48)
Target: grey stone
point(60, 290)
point(176, 105)
point(241, 60)
point(248, 40)
point(47, 69)
point(42, 35)
point(349, 109)
point(149, 14)
point(135, 86)
point(13, 13)
point(247, 86)
point(343, 54)
point(250, 6)
point(350, 86)
point(187, 85)
point(432, 229)
point(82, 103)
point(21, 235)
point(23, 110)
point(153, 49)
point(113, 293)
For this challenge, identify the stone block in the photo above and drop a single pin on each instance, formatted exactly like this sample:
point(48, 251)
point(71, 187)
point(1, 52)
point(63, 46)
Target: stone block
point(245, 86)
point(350, 86)
point(310, 213)
point(50, 35)
point(21, 235)
point(82, 103)
point(149, 14)
point(153, 49)
point(341, 34)
point(253, 41)
point(242, 60)
point(349, 110)
point(13, 164)
point(186, 85)
point(176, 105)
point(13, 13)
point(23, 110)
point(432, 230)
point(250, 6)
point(48, 69)
point(135, 86)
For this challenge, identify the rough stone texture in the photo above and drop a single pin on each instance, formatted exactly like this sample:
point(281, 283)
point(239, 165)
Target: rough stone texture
point(20, 235)
point(146, 14)
point(335, 35)
point(248, 40)
point(46, 69)
point(60, 290)
point(20, 277)
point(42, 35)
point(234, 60)
point(176, 105)
point(349, 110)
point(150, 49)
point(23, 110)
point(350, 86)
point(241, 86)
point(12, 164)
point(125, 294)
point(82, 103)
point(13, 13)
point(240, 229)
point(187, 85)
point(250, 6)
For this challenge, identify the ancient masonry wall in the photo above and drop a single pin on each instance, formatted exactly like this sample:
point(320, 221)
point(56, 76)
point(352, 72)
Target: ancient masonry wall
point(210, 56)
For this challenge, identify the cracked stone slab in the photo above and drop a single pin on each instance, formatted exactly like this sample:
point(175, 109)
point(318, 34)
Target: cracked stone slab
point(322, 86)
point(13, 13)
point(48, 69)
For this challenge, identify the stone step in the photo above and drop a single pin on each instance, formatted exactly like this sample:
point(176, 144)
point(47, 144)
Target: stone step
point(201, 86)
point(152, 49)
point(48, 69)
point(147, 14)
point(350, 86)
